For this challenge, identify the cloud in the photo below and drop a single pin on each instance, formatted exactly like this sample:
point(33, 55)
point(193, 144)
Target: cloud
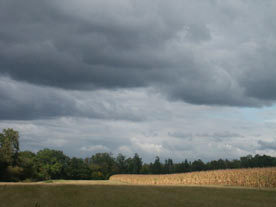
point(264, 145)
point(181, 49)
point(215, 133)
point(19, 101)
point(95, 148)
point(23, 101)
point(218, 136)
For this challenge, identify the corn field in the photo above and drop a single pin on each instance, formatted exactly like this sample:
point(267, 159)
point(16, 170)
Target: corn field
point(252, 177)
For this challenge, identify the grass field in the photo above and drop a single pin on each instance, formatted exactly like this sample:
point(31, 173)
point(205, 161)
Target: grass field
point(110, 194)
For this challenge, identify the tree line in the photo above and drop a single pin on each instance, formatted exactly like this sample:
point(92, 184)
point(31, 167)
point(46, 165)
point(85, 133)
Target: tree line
point(47, 164)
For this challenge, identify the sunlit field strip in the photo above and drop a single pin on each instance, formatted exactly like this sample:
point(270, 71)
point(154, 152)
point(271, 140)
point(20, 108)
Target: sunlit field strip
point(253, 177)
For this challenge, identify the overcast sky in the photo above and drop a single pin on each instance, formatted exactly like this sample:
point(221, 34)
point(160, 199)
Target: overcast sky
point(179, 79)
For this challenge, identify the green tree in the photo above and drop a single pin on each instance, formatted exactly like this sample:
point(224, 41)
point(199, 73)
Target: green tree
point(246, 161)
point(121, 163)
point(102, 165)
point(78, 170)
point(26, 162)
point(221, 164)
point(198, 165)
point(145, 169)
point(9, 146)
point(137, 164)
point(156, 167)
point(51, 164)
point(130, 166)
point(168, 166)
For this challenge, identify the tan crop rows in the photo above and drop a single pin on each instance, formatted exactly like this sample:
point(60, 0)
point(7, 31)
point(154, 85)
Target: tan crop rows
point(252, 177)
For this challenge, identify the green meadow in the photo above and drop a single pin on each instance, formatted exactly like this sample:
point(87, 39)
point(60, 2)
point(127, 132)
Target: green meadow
point(116, 195)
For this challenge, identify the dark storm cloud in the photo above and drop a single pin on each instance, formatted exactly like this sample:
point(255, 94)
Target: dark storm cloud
point(259, 79)
point(48, 47)
point(190, 51)
point(21, 101)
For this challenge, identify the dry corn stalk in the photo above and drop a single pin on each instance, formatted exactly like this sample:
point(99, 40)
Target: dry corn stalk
point(252, 177)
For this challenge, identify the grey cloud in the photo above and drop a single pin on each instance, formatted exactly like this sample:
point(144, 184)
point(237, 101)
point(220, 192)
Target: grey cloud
point(60, 49)
point(181, 135)
point(219, 136)
point(81, 136)
point(198, 33)
point(259, 79)
point(264, 145)
point(201, 52)
point(22, 101)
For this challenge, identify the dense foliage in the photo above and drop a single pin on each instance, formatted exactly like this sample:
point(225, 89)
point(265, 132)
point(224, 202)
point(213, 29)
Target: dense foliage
point(49, 164)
